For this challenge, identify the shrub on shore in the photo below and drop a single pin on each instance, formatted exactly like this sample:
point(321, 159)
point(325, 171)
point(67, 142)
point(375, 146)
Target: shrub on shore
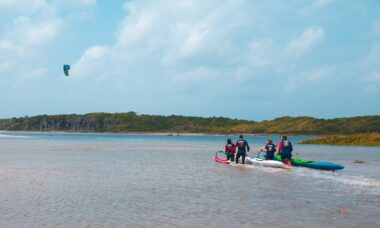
point(369, 139)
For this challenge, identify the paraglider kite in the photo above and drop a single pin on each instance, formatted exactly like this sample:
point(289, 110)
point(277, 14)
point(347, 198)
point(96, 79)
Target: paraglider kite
point(66, 69)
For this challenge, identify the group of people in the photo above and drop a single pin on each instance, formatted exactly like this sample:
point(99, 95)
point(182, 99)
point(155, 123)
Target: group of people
point(285, 149)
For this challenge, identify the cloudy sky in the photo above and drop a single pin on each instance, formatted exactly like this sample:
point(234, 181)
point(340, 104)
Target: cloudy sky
point(235, 58)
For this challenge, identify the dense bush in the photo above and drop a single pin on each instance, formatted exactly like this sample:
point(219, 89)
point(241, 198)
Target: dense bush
point(133, 122)
point(369, 139)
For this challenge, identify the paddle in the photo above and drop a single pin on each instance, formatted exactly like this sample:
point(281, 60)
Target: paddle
point(258, 154)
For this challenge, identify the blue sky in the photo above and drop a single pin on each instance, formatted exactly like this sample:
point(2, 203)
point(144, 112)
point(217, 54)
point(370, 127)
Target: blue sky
point(236, 58)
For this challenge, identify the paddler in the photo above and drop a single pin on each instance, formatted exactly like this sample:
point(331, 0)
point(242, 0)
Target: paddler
point(243, 148)
point(229, 149)
point(270, 149)
point(285, 149)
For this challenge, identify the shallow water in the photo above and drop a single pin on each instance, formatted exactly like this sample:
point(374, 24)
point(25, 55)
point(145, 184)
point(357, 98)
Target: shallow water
point(117, 180)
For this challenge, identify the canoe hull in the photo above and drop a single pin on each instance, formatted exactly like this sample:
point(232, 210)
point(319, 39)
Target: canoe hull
point(221, 160)
point(314, 164)
point(266, 163)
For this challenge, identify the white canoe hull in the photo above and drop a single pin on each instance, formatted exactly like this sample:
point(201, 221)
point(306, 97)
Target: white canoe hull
point(267, 163)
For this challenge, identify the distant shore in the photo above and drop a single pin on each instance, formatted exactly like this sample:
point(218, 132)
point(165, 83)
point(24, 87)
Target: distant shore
point(134, 133)
point(122, 133)
point(133, 123)
point(368, 139)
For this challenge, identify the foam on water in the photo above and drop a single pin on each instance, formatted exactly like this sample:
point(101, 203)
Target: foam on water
point(358, 181)
point(14, 136)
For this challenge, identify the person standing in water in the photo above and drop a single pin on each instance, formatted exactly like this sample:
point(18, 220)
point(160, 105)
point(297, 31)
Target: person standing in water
point(270, 149)
point(243, 148)
point(229, 149)
point(285, 149)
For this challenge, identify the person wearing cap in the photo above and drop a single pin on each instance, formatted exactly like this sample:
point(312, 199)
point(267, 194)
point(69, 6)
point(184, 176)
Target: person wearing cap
point(243, 148)
point(229, 149)
point(270, 149)
point(285, 149)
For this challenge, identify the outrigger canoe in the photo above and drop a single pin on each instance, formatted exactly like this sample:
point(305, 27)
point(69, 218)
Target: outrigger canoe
point(252, 161)
point(221, 160)
point(314, 164)
point(266, 163)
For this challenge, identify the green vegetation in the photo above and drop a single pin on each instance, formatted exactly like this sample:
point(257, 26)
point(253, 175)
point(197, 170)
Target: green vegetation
point(309, 125)
point(122, 122)
point(132, 122)
point(369, 139)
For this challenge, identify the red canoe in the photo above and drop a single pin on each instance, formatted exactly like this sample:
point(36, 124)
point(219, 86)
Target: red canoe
point(221, 160)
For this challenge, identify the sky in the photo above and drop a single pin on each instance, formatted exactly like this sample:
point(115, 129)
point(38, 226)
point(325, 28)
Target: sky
point(247, 59)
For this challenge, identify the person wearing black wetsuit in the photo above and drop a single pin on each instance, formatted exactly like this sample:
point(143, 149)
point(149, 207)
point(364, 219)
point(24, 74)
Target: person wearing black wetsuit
point(285, 149)
point(270, 149)
point(243, 148)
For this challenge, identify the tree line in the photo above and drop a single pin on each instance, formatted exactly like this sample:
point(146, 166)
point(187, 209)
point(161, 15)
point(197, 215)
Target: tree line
point(133, 122)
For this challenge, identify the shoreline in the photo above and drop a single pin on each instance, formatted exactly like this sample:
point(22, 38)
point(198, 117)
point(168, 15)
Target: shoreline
point(153, 133)
point(127, 133)
point(318, 140)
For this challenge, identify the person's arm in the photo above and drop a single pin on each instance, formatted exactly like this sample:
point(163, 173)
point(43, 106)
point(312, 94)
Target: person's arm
point(225, 149)
point(247, 146)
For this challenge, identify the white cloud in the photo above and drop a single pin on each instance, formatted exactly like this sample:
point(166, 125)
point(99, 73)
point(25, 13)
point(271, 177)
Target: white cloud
point(24, 6)
point(24, 36)
point(30, 29)
point(92, 62)
point(319, 74)
point(36, 33)
point(263, 53)
point(305, 42)
point(94, 52)
point(135, 31)
point(31, 6)
point(164, 50)
point(185, 44)
point(194, 43)
point(77, 2)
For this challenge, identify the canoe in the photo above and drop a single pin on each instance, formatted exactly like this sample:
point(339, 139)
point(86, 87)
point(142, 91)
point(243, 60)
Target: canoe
point(314, 164)
point(220, 159)
point(266, 163)
point(252, 161)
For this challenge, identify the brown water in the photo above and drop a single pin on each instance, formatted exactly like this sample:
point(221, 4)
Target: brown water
point(95, 180)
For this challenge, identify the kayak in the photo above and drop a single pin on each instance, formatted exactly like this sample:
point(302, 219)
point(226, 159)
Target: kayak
point(314, 164)
point(267, 163)
point(221, 160)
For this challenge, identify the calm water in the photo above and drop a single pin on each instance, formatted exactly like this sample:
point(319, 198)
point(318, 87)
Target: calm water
point(112, 180)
